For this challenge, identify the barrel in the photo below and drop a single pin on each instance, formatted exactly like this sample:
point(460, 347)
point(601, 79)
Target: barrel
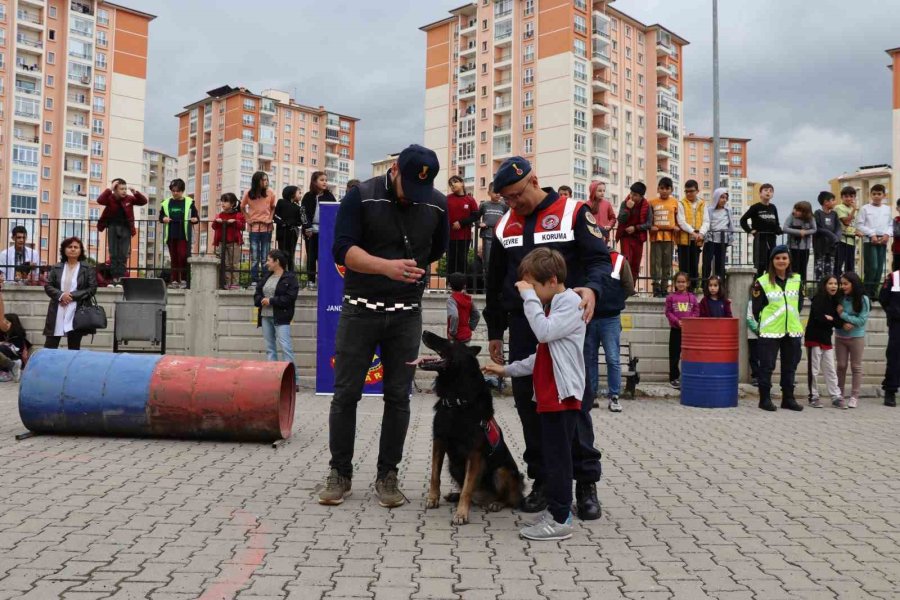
point(98, 393)
point(709, 363)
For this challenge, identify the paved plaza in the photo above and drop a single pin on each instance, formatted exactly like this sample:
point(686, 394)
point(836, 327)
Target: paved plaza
point(735, 504)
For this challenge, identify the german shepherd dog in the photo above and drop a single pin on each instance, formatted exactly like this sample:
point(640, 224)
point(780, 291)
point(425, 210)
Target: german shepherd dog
point(464, 429)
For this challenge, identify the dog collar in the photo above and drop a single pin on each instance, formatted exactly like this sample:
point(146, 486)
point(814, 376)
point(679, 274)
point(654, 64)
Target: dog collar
point(452, 403)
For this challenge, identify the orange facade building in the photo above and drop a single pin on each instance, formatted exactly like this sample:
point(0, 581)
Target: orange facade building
point(732, 168)
point(577, 87)
point(72, 90)
point(232, 133)
point(895, 111)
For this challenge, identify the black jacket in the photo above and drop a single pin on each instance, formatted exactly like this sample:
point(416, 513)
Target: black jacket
point(587, 259)
point(288, 215)
point(819, 329)
point(889, 298)
point(283, 301)
point(87, 287)
point(308, 205)
point(762, 218)
point(369, 218)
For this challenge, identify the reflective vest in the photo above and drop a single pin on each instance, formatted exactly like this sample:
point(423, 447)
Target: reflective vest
point(781, 316)
point(693, 215)
point(188, 203)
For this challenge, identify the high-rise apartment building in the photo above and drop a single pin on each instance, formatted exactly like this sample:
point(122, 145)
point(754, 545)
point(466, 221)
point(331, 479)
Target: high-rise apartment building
point(72, 89)
point(232, 133)
point(380, 167)
point(159, 169)
point(732, 168)
point(580, 89)
point(862, 181)
point(895, 105)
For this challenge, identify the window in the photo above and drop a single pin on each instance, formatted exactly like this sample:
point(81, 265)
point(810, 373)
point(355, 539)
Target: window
point(483, 159)
point(102, 17)
point(96, 170)
point(23, 155)
point(286, 143)
point(580, 142)
point(249, 120)
point(247, 135)
point(627, 52)
point(580, 192)
point(246, 149)
point(735, 147)
point(99, 104)
point(580, 95)
point(529, 7)
point(736, 160)
point(51, 58)
point(101, 38)
point(579, 48)
point(96, 148)
point(249, 104)
point(47, 149)
point(580, 71)
point(98, 126)
point(529, 145)
point(528, 77)
point(580, 169)
point(529, 53)
point(580, 4)
point(48, 127)
point(628, 74)
point(529, 122)
point(580, 24)
point(640, 99)
point(52, 12)
point(580, 119)
point(101, 60)
point(23, 204)
point(301, 146)
point(25, 180)
point(48, 103)
point(100, 83)
point(528, 100)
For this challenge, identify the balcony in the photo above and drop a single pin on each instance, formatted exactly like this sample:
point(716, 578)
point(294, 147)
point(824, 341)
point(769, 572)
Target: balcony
point(600, 109)
point(503, 128)
point(79, 79)
point(663, 49)
point(78, 123)
point(266, 151)
point(600, 58)
point(29, 69)
point(82, 8)
point(469, 49)
point(28, 91)
point(466, 92)
point(502, 151)
point(469, 28)
point(503, 38)
point(75, 168)
point(28, 138)
point(662, 70)
point(267, 106)
point(37, 3)
point(28, 42)
point(662, 131)
point(502, 104)
point(502, 83)
point(29, 19)
point(663, 152)
point(599, 82)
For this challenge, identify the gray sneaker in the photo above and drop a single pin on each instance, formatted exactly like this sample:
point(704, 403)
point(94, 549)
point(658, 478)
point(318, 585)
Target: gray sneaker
point(337, 487)
point(542, 516)
point(815, 403)
point(548, 530)
point(614, 405)
point(388, 491)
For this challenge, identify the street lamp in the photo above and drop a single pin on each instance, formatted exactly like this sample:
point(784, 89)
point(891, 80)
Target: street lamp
point(716, 149)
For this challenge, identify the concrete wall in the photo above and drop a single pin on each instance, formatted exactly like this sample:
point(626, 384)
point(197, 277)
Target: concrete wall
point(223, 323)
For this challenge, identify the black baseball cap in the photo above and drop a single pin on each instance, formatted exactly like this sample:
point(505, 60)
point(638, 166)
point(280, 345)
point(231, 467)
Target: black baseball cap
point(513, 170)
point(418, 168)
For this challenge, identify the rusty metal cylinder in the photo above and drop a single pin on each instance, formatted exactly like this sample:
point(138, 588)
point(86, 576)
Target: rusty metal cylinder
point(187, 397)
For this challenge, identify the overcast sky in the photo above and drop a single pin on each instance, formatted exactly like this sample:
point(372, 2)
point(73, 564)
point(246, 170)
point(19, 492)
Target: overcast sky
point(807, 80)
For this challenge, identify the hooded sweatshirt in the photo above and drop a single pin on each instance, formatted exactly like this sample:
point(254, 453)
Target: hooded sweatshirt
point(721, 227)
point(605, 213)
point(462, 209)
point(680, 305)
point(288, 214)
point(462, 317)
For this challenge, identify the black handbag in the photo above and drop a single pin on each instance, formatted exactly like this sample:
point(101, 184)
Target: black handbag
point(89, 317)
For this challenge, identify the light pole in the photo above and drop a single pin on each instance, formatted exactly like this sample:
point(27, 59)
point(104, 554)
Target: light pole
point(716, 150)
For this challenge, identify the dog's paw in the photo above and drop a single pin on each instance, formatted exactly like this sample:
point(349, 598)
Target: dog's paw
point(460, 518)
point(494, 507)
point(452, 497)
point(432, 502)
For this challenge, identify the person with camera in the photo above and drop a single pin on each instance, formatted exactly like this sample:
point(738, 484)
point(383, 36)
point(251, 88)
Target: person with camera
point(19, 261)
point(72, 283)
point(387, 231)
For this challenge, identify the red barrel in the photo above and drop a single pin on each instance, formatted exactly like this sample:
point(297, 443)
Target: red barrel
point(709, 340)
point(216, 398)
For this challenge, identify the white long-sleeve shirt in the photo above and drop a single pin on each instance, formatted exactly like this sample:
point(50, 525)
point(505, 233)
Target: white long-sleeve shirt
point(681, 218)
point(875, 220)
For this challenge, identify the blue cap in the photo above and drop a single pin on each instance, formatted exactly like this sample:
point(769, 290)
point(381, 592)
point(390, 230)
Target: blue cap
point(418, 168)
point(779, 249)
point(513, 170)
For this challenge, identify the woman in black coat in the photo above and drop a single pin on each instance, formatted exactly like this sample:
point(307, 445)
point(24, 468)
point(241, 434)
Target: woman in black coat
point(318, 192)
point(275, 296)
point(71, 283)
point(288, 219)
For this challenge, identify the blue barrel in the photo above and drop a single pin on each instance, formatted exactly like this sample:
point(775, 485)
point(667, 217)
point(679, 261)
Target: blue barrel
point(98, 393)
point(709, 362)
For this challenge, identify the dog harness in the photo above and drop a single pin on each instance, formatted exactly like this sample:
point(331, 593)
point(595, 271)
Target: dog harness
point(492, 433)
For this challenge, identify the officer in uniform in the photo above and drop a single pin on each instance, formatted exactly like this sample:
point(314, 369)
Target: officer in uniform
point(540, 218)
point(774, 315)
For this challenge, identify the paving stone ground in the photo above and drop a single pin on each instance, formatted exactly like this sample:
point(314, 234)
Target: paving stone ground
point(729, 504)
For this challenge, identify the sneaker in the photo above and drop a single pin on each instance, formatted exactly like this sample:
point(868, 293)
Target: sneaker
point(548, 530)
point(183, 285)
point(675, 383)
point(542, 516)
point(388, 491)
point(173, 285)
point(16, 370)
point(852, 403)
point(815, 403)
point(614, 405)
point(839, 403)
point(337, 487)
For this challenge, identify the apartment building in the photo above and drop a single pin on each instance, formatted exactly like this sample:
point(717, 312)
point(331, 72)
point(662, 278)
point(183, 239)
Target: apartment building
point(232, 133)
point(732, 168)
point(72, 90)
point(380, 167)
point(579, 88)
point(158, 170)
point(862, 181)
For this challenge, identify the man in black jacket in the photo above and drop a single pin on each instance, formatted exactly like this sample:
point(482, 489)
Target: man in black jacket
point(540, 218)
point(387, 231)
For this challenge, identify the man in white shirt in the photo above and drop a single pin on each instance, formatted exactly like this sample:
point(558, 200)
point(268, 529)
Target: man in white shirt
point(875, 227)
point(17, 256)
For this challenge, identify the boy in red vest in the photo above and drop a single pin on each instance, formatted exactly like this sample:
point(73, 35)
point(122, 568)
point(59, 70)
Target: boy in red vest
point(635, 220)
point(462, 316)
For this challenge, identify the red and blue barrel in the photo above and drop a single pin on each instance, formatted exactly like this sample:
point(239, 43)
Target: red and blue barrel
point(187, 397)
point(709, 362)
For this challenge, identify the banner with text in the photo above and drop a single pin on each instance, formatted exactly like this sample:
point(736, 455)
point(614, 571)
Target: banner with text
point(330, 298)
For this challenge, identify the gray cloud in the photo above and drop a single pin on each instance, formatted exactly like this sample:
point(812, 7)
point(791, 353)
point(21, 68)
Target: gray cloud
point(806, 80)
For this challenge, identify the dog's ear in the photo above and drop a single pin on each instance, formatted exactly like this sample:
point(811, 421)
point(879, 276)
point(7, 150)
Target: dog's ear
point(435, 342)
point(474, 350)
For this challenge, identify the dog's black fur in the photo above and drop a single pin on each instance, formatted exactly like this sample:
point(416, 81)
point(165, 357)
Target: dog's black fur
point(489, 477)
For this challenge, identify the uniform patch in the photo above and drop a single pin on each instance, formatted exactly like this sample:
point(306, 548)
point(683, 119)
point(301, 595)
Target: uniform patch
point(590, 218)
point(756, 290)
point(550, 222)
point(596, 231)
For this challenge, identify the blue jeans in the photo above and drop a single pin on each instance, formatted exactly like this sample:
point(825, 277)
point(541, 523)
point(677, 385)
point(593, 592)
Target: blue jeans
point(606, 331)
point(281, 334)
point(260, 244)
